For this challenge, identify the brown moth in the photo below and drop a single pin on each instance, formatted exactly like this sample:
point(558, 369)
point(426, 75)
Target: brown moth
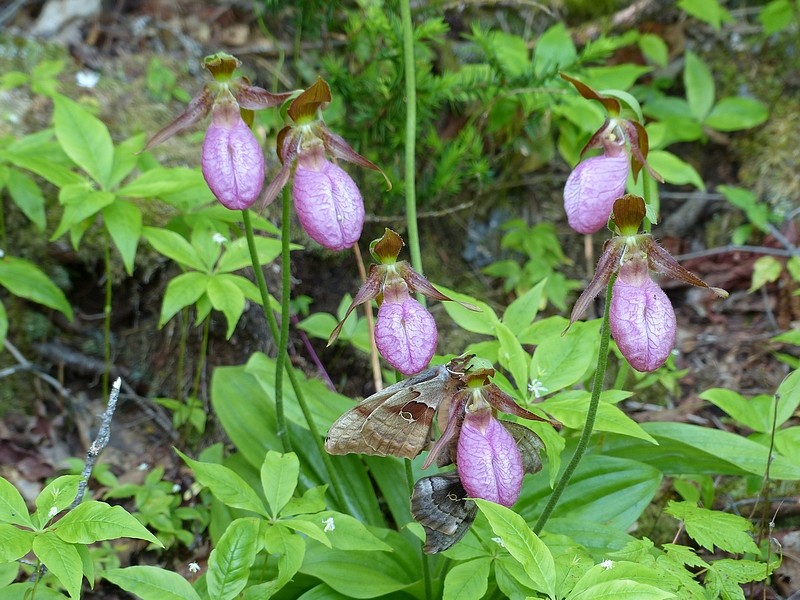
point(397, 420)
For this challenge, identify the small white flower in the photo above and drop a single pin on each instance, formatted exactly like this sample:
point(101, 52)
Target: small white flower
point(537, 388)
point(607, 564)
point(176, 487)
point(2, 253)
point(52, 512)
point(87, 79)
point(499, 541)
point(329, 524)
point(194, 567)
point(218, 238)
point(143, 466)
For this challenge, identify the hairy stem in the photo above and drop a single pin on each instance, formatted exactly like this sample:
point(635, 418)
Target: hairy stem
point(594, 402)
point(411, 139)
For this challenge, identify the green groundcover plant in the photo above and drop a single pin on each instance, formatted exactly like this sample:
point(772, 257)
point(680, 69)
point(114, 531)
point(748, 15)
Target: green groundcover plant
point(506, 471)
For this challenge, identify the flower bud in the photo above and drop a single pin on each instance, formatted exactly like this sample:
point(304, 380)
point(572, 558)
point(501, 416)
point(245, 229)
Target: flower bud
point(232, 160)
point(591, 190)
point(642, 319)
point(327, 201)
point(405, 333)
point(488, 459)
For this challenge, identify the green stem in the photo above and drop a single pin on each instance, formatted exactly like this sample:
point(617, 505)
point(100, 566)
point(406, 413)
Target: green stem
point(286, 292)
point(182, 354)
point(201, 360)
point(426, 568)
point(337, 484)
point(411, 139)
point(3, 238)
point(594, 402)
point(107, 321)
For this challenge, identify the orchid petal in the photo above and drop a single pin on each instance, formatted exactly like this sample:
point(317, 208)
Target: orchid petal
point(591, 189)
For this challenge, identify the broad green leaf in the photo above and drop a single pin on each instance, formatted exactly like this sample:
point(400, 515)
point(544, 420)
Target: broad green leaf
point(55, 497)
point(512, 357)
point(699, 85)
point(85, 139)
point(611, 492)
point(16, 542)
point(356, 574)
point(671, 130)
point(152, 583)
point(319, 325)
point(686, 449)
point(710, 528)
point(654, 49)
point(674, 170)
point(160, 181)
point(621, 589)
point(24, 279)
point(123, 221)
point(56, 174)
point(346, 532)
point(320, 592)
point(174, 246)
point(313, 530)
point(8, 574)
point(570, 408)
point(735, 114)
point(523, 310)
point(93, 521)
point(237, 253)
point(554, 51)
point(278, 479)
point(776, 15)
point(561, 361)
point(225, 296)
point(231, 559)
point(80, 204)
point(225, 485)
point(597, 538)
point(708, 11)
point(12, 505)
point(312, 501)
point(61, 559)
point(524, 545)
point(482, 321)
point(125, 158)
point(755, 413)
point(726, 575)
point(24, 591)
point(757, 212)
point(87, 563)
point(291, 551)
point(183, 290)
point(28, 197)
point(511, 52)
point(468, 580)
point(766, 269)
point(247, 287)
point(389, 475)
point(617, 77)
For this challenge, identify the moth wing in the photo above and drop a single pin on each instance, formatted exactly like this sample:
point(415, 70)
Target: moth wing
point(529, 444)
point(395, 421)
point(439, 503)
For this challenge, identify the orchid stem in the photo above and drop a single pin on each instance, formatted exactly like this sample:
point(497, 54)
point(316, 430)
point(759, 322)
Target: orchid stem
point(411, 139)
point(594, 402)
point(283, 335)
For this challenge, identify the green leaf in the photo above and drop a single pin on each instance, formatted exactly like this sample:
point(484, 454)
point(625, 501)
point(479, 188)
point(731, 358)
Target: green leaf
point(621, 589)
point(524, 545)
point(766, 269)
point(511, 52)
point(125, 158)
point(16, 542)
point(610, 492)
point(467, 580)
point(710, 528)
point(554, 51)
point(708, 11)
point(278, 479)
point(735, 114)
point(482, 321)
point(152, 583)
point(699, 85)
point(231, 559)
point(512, 357)
point(12, 505)
point(61, 559)
point(124, 223)
point(85, 139)
point(225, 296)
point(3, 326)
point(160, 181)
point(312, 501)
point(183, 290)
point(523, 310)
point(80, 204)
point(28, 197)
point(561, 361)
point(685, 449)
point(291, 551)
point(654, 49)
point(237, 254)
point(616, 77)
point(776, 15)
point(24, 279)
point(174, 246)
point(755, 413)
point(757, 212)
point(93, 521)
point(55, 497)
point(225, 485)
point(58, 175)
point(674, 170)
point(313, 530)
point(346, 532)
point(570, 409)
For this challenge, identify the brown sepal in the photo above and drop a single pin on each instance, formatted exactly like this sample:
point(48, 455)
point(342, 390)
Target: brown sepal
point(369, 291)
point(196, 111)
point(306, 105)
point(596, 141)
point(637, 137)
point(338, 147)
point(606, 266)
point(387, 247)
point(417, 283)
point(256, 98)
point(504, 403)
point(661, 261)
point(628, 212)
point(611, 104)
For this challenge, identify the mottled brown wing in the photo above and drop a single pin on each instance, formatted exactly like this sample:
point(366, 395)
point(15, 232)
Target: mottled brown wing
point(396, 421)
point(529, 444)
point(439, 503)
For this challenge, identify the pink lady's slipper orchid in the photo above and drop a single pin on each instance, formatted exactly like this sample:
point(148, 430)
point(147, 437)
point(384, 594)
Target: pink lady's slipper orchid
point(405, 333)
point(642, 320)
point(328, 203)
point(596, 182)
point(232, 160)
